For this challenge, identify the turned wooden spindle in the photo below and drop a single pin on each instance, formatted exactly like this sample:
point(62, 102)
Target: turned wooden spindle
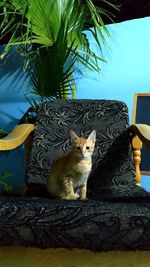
point(137, 146)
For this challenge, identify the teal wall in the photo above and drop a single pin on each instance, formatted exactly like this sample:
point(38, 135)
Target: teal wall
point(127, 72)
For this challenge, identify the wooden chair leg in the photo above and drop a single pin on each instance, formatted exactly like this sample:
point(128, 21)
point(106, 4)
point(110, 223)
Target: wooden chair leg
point(137, 146)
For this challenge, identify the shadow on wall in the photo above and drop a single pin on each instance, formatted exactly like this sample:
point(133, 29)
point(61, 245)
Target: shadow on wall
point(14, 85)
point(13, 81)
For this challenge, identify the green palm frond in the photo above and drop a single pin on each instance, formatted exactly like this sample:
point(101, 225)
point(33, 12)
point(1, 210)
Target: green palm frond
point(53, 67)
point(51, 74)
point(50, 35)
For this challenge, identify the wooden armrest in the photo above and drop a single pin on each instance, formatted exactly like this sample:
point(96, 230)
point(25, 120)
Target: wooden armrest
point(16, 137)
point(142, 131)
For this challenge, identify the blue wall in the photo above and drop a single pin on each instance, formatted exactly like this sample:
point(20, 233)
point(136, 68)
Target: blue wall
point(128, 69)
point(13, 86)
point(127, 72)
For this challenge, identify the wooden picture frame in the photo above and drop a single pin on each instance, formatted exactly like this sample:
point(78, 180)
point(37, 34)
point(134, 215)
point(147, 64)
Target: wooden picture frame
point(141, 115)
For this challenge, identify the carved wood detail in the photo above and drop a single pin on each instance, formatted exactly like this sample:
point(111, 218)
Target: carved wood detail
point(137, 146)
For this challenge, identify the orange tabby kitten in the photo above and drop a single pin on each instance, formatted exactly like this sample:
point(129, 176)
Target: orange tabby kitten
point(68, 178)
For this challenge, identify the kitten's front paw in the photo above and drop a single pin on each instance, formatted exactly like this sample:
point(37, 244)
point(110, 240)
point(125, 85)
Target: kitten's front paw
point(71, 197)
point(83, 198)
point(76, 195)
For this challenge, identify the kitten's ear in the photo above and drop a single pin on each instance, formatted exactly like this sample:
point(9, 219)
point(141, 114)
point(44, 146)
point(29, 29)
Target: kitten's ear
point(92, 136)
point(73, 135)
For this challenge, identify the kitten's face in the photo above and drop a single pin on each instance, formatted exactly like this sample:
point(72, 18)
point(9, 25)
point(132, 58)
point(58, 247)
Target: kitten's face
point(81, 147)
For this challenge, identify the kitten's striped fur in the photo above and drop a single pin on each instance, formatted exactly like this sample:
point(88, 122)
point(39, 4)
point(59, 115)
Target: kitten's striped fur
point(69, 174)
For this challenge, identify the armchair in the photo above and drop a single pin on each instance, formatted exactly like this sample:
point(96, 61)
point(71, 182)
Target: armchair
point(116, 214)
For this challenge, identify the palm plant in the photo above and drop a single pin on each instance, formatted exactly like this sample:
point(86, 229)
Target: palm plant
point(50, 35)
point(3, 181)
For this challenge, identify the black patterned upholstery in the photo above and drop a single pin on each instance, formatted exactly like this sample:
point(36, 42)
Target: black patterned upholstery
point(117, 214)
point(112, 165)
point(95, 225)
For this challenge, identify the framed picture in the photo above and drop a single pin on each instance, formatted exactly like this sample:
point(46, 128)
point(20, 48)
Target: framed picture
point(141, 114)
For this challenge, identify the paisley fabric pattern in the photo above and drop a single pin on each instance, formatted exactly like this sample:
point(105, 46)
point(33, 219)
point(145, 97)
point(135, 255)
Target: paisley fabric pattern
point(117, 214)
point(112, 165)
point(94, 225)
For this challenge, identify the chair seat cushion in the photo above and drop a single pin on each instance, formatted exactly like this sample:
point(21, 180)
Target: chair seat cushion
point(95, 225)
point(124, 193)
point(110, 193)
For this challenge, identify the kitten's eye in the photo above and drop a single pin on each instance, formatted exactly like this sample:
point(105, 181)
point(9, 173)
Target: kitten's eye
point(87, 147)
point(78, 147)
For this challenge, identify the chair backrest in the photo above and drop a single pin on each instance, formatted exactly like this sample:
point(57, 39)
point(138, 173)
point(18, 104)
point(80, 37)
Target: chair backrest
point(112, 164)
